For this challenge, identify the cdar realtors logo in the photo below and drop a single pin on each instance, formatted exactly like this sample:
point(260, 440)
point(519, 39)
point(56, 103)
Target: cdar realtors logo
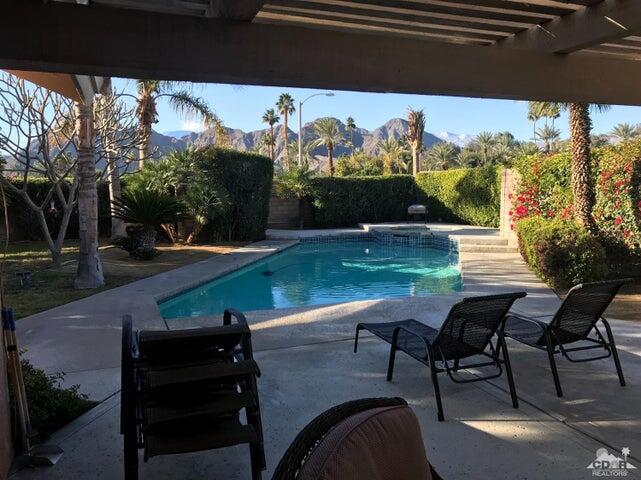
point(609, 465)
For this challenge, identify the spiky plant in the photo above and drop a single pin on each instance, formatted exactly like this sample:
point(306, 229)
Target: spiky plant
point(149, 209)
point(416, 127)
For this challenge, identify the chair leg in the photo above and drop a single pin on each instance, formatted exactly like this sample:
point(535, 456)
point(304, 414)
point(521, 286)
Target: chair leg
point(130, 454)
point(257, 457)
point(555, 373)
point(358, 329)
point(615, 353)
point(437, 391)
point(390, 365)
point(508, 370)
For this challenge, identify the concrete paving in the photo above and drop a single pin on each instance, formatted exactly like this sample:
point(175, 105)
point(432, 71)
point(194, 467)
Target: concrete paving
point(307, 362)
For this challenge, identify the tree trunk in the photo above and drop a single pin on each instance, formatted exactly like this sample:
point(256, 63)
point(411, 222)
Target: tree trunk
point(582, 185)
point(147, 238)
point(415, 161)
point(117, 225)
point(272, 144)
point(330, 153)
point(285, 139)
point(89, 273)
point(144, 149)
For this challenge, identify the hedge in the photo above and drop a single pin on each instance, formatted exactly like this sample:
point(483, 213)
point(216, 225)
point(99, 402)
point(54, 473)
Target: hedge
point(465, 195)
point(347, 201)
point(248, 180)
point(561, 252)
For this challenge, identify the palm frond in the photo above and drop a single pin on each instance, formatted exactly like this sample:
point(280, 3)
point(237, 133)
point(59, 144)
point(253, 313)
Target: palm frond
point(190, 106)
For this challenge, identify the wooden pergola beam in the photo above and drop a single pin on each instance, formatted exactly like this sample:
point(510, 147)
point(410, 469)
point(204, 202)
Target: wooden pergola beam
point(244, 10)
point(590, 26)
point(173, 47)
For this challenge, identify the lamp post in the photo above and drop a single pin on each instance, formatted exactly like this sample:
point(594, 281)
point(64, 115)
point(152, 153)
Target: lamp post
point(300, 123)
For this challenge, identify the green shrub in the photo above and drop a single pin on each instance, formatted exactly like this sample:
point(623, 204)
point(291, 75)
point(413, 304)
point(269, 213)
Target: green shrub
point(347, 201)
point(247, 178)
point(465, 195)
point(561, 252)
point(51, 407)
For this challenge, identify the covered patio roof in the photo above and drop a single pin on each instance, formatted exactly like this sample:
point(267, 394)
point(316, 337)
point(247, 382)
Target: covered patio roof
point(584, 50)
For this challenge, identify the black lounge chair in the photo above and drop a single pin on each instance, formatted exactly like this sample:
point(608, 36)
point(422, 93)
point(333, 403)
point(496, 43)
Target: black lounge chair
point(467, 331)
point(574, 321)
point(182, 391)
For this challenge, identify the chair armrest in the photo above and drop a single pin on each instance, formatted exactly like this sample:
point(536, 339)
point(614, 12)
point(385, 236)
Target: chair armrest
point(239, 316)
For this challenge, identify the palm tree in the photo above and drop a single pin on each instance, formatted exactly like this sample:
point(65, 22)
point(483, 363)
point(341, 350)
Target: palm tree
point(182, 101)
point(484, 144)
point(220, 132)
point(582, 185)
point(391, 151)
point(307, 149)
point(350, 125)
point(416, 126)
point(268, 141)
point(285, 107)
point(625, 131)
point(442, 155)
point(549, 135)
point(270, 118)
point(329, 135)
point(534, 114)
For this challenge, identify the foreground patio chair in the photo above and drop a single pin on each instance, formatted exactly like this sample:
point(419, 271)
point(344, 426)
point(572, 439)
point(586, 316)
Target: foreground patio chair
point(575, 320)
point(182, 391)
point(372, 438)
point(467, 331)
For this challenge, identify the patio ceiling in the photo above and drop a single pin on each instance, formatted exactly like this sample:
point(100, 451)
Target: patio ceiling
point(584, 50)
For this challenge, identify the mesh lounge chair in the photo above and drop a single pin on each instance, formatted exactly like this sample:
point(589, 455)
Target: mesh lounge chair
point(369, 438)
point(467, 331)
point(182, 391)
point(575, 320)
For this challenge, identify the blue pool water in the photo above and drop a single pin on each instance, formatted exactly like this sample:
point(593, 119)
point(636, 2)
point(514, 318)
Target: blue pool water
point(320, 273)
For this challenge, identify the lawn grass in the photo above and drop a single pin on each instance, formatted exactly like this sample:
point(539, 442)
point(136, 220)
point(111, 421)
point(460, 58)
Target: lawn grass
point(49, 288)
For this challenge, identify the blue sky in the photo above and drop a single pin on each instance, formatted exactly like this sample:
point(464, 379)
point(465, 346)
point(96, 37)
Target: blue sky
point(242, 107)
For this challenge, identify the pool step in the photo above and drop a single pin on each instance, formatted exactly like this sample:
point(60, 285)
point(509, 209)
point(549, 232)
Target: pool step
point(478, 240)
point(484, 248)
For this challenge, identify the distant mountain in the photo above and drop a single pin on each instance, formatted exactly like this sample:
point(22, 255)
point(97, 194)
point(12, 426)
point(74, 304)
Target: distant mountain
point(178, 133)
point(360, 138)
point(459, 139)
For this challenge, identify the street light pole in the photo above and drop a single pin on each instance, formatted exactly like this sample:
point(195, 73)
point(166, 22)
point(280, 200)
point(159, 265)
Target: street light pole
point(300, 123)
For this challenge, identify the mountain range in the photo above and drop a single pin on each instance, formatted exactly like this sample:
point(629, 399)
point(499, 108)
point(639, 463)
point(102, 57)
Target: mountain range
point(361, 138)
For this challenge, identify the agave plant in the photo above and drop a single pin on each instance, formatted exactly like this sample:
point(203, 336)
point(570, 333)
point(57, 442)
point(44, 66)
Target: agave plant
point(149, 209)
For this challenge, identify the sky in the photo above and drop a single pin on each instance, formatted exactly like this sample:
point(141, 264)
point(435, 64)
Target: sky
point(242, 107)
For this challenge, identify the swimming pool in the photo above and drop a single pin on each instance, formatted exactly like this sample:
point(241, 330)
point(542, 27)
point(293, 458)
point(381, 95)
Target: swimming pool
point(320, 273)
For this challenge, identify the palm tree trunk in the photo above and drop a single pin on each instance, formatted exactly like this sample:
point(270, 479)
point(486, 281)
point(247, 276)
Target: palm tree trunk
point(285, 139)
point(272, 144)
point(144, 149)
point(582, 185)
point(89, 273)
point(330, 153)
point(415, 160)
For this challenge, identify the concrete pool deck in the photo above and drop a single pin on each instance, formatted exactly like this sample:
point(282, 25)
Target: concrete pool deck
point(306, 357)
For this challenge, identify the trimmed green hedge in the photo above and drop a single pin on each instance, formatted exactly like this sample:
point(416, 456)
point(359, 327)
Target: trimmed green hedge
point(465, 195)
point(247, 177)
point(561, 252)
point(347, 201)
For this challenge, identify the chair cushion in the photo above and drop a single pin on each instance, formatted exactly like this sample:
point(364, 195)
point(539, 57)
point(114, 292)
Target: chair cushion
point(378, 444)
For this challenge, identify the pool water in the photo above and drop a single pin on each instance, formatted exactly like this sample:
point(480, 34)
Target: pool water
point(321, 273)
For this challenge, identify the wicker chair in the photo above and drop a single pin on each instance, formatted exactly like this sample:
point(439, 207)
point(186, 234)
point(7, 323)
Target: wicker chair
point(182, 391)
point(575, 320)
point(308, 444)
point(467, 331)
